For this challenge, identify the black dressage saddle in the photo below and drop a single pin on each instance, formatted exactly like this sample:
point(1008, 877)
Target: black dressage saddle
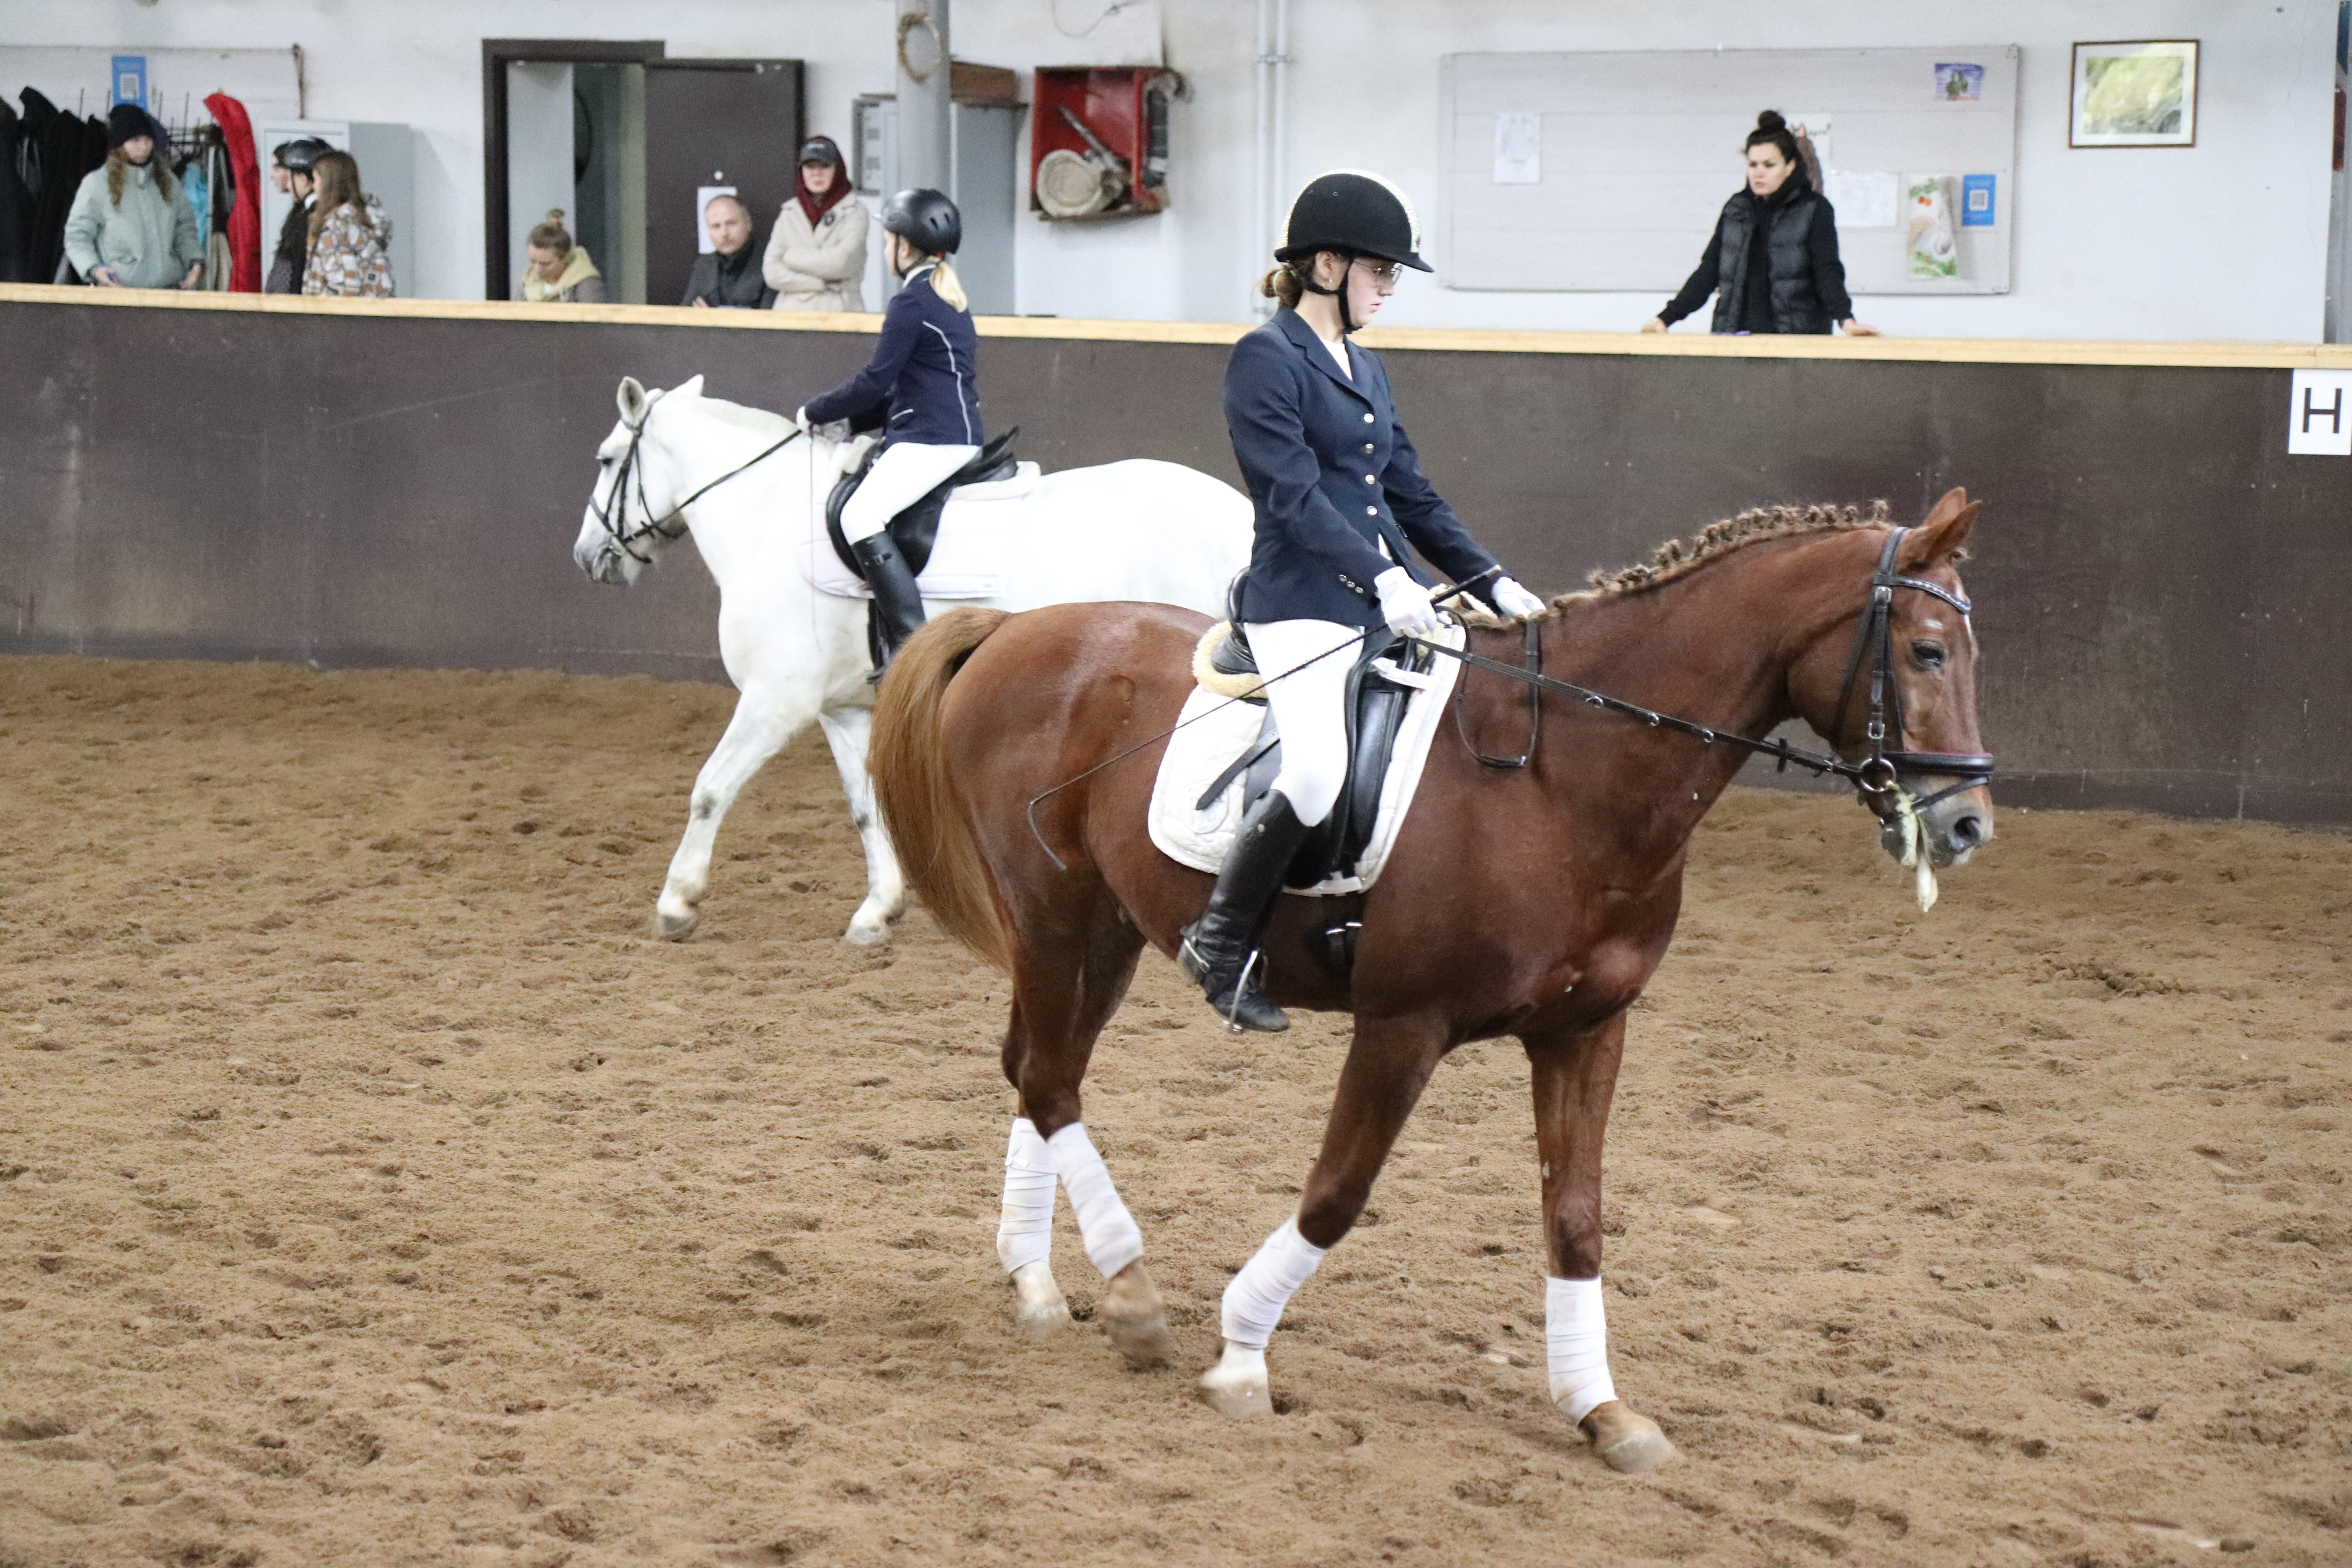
point(917, 529)
point(1387, 672)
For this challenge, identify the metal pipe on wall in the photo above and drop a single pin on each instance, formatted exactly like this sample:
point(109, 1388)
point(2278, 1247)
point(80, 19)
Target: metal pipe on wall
point(925, 130)
point(1272, 39)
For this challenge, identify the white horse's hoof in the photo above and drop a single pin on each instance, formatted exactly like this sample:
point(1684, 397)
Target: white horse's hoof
point(1038, 1308)
point(1627, 1441)
point(866, 932)
point(1236, 1385)
point(675, 924)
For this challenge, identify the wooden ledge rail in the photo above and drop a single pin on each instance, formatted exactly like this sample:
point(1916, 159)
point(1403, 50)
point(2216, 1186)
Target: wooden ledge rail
point(1630, 344)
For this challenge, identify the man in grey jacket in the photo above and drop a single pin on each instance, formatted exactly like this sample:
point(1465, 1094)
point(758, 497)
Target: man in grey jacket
point(728, 278)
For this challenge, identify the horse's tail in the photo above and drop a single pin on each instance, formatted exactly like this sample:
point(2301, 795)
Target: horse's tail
point(908, 758)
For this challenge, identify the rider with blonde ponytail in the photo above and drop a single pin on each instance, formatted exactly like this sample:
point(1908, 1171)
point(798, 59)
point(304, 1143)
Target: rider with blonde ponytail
point(1339, 496)
point(920, 389)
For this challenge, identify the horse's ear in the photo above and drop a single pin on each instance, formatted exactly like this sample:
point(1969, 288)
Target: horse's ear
point(1945, 530)
point(632, 399)
point(688, 388)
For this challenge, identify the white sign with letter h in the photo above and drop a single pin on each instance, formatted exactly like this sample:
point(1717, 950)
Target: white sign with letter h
point(2319, 414)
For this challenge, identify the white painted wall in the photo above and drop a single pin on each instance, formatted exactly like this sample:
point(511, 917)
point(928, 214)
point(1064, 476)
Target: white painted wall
point(2227, 240)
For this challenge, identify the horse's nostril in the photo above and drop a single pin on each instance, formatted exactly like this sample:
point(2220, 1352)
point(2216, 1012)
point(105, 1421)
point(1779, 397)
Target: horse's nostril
point(1968, 832)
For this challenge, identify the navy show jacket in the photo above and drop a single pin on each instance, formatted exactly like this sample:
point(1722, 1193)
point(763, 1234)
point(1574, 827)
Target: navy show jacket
point(921, 373)
point(1331, 475)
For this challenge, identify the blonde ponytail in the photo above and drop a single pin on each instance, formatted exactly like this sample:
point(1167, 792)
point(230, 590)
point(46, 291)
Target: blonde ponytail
point(946, 285)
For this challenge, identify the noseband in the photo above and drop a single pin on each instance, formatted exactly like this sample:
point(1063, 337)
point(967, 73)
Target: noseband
point(613, 514)
point(1876, 777)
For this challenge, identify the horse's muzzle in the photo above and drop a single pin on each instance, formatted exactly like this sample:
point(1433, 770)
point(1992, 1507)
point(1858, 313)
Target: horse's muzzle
point(1954, 827)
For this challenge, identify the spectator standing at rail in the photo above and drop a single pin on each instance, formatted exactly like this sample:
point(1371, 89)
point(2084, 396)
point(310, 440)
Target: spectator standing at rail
point(349, 254)
point(289, 171)
point(1773, 264)
point(729, 277)
point(561, 273)
point(129, 226)
point(816, 256)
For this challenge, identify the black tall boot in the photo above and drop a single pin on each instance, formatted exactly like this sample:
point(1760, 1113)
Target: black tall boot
point(1218, 948)
point(897, 606)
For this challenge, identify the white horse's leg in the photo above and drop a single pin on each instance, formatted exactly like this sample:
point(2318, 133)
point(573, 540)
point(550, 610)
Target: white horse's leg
point(1024, 1236)
point(1254, 1302)
point(848, 730)
point(1131, 1309)
point(763, 722)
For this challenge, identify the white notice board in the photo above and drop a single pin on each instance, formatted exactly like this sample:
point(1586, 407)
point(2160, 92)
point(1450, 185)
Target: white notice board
point(1606, 171)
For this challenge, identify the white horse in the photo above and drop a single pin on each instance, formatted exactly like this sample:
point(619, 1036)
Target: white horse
point(752, 493)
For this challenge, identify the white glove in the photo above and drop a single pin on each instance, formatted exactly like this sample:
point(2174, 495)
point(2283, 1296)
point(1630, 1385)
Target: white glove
point(801, 419)
point(1405, 603)
point(1515, 603)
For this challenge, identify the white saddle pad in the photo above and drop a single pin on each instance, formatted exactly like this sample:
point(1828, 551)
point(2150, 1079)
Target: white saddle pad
point(1198, 752)
point(967, 560)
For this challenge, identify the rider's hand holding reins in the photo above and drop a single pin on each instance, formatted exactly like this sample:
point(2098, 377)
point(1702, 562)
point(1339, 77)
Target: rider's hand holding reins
point(1514, 602)
point(1405, 604)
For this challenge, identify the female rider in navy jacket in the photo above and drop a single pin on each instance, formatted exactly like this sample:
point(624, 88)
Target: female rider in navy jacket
point(920, 389)
point(1340, 494)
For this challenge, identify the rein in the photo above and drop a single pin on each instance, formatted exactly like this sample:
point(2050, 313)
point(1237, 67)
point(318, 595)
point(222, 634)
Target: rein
point(1875, 774)
point(655, 528)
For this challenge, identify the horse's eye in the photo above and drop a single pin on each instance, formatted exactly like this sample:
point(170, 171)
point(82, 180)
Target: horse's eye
point(1929, 654)
point(604, 462)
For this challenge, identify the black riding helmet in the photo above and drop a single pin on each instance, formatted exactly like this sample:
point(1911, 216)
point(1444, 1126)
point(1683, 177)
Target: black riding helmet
point(1349, 211)
point(927, 218)
point(1356, 215)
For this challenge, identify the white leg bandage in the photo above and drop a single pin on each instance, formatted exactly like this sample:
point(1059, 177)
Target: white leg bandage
point(1026, 1233)
point(1255, 1300)
point(1109, 1230)
point(1576, 1346)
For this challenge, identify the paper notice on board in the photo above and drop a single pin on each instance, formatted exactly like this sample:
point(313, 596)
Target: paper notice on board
point(702, 194)
point(1861, 198)
point(1519, 149)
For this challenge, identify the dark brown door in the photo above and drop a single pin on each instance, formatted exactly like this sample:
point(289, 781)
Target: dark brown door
point(714, 122)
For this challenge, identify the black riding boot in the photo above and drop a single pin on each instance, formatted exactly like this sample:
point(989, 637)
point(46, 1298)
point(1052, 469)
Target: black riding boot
point(1218, 947)
point(897, 606)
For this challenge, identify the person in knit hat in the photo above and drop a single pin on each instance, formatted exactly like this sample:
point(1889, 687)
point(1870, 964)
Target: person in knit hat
point(129, 226)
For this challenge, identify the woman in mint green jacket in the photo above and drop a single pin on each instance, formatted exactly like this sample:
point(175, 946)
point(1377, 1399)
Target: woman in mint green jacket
point(129, 226)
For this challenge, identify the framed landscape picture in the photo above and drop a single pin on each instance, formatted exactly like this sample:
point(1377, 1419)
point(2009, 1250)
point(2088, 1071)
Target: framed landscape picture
point(2136, 94)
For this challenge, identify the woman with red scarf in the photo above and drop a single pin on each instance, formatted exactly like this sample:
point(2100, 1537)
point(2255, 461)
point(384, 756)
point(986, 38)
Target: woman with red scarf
point(816, 257)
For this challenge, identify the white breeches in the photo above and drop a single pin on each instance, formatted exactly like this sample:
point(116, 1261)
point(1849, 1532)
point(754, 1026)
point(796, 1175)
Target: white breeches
point(900, 477)
point(1310, 707)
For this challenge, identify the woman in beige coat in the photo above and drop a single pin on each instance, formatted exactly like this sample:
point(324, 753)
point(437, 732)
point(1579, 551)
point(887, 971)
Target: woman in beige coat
point(816, 257)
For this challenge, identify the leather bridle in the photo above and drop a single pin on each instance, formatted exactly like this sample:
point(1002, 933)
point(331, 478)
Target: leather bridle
point(616, 501)
point(1877, 778)
point(1876, 640)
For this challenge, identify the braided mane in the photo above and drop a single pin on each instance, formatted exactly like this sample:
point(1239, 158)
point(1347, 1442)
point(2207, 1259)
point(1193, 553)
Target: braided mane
point(1675, 558)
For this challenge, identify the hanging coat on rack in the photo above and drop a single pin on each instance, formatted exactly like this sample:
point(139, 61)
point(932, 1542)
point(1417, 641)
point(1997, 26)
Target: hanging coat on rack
point(245, 216)
point(16, 200)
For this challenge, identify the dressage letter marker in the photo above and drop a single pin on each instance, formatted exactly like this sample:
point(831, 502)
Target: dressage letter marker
point(2319, 414)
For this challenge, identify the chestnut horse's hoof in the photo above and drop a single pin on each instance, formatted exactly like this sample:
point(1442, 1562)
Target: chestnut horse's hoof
point(1136, 1322)
point(1627, 1442)
point(1236, 1385)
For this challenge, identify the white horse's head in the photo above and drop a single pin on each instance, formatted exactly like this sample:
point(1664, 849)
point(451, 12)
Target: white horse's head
point(628, 521)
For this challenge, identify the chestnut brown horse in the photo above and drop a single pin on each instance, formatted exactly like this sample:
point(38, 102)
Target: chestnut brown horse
point(1534, 901)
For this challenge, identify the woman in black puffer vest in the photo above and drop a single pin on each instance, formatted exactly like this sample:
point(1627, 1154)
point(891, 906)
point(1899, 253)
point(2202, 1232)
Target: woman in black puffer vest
point(1773, 263)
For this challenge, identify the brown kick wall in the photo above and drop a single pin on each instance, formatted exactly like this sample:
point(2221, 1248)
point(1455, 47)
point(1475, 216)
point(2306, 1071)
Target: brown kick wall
point(2161, 589)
